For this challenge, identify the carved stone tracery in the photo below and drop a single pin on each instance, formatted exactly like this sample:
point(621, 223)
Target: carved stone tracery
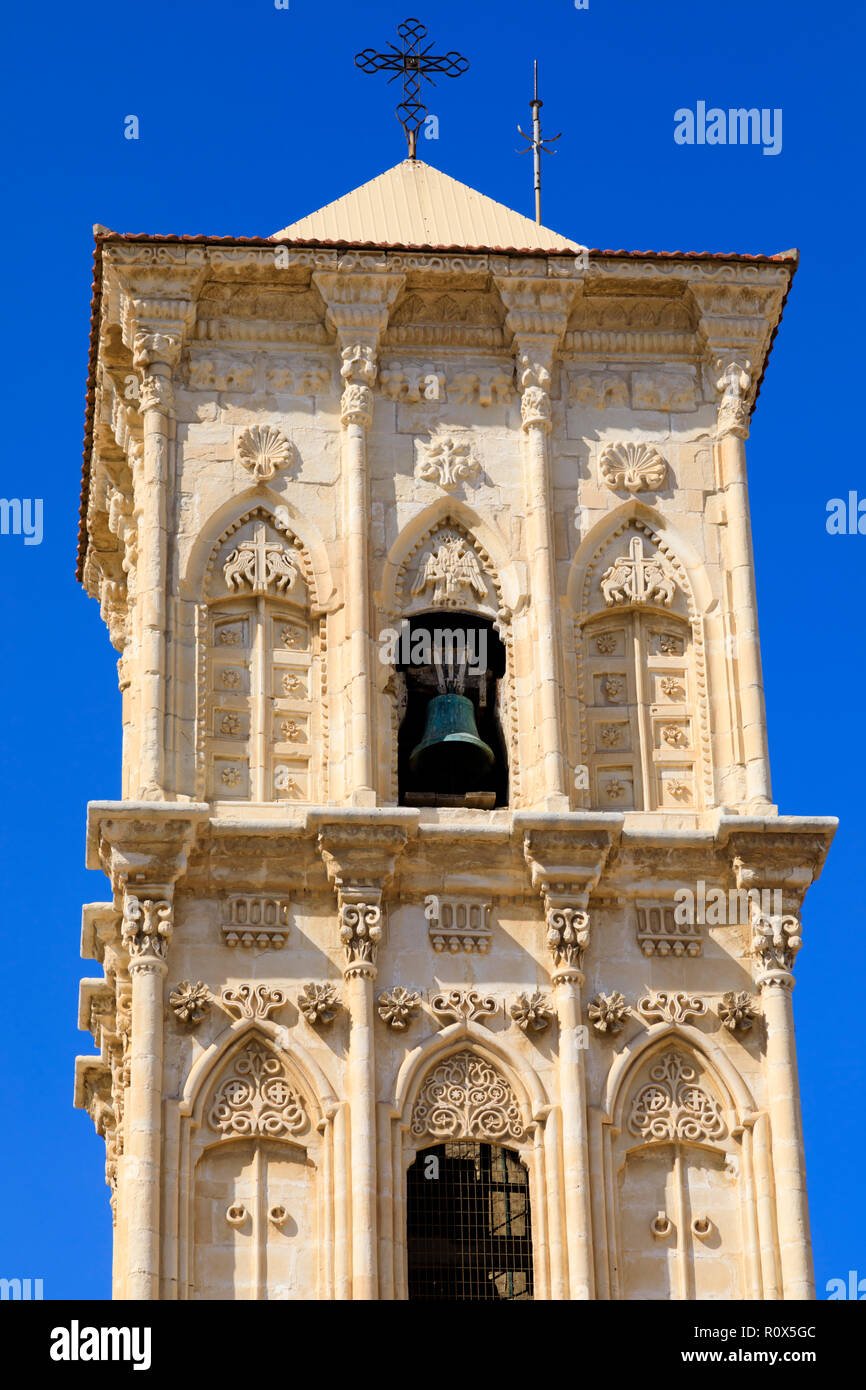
point(256, 1099)
point(466, 1097)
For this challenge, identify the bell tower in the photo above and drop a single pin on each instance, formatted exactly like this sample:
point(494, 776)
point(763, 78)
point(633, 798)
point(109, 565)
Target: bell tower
point(450, 928)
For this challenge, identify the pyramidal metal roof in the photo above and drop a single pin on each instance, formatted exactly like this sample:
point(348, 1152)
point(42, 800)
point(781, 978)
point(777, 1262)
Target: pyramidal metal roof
point(415, 205)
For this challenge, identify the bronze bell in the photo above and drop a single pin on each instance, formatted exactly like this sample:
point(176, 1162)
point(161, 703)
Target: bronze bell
point(451, 753)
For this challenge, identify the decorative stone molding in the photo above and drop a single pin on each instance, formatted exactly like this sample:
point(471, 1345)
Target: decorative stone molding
point(146, 927)
point(402, 382)
point(667, 391)
point(318, 1003)
point(252, 919)
point(256, 1098)
point(598, 390)
point(450, 568)
point(532, 1013)
point(608, 1012)
point(398, 1007)
point(252, 1001)
point(220, 373)
point(458, 924)
point(634, 467)
point(673, 1106)
point(190, 1002)
point(636, 578)
point(466, 1097)
point(360, 931)
point(484, 386)
point(446, 461)
point(737, 1011)
point(567, 936)
point(263, 449)
point(463, 1005)
point(659, 934)
point(673, 1006)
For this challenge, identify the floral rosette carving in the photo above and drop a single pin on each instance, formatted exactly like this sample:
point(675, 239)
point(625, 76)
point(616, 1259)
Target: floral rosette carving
point(737, 1011)
point(190, 1002)
point(608, 1012)
point(318, 1003)
point(532, 1013)
point(398, 1007)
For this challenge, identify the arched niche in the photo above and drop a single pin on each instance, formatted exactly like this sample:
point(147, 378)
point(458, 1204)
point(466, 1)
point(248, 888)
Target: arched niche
point(642, 708)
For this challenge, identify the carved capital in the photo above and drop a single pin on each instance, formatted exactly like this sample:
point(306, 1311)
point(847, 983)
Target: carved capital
point(152, 347)
point(356, 406)
point(734, 383)
point(360, 933)
point(156, 393)
point(567, 935)
point(776, 939)
point(146, 928)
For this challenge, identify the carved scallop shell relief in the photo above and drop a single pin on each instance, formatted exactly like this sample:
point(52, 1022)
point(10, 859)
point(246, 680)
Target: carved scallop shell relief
point(635, 467)
point(263, 449)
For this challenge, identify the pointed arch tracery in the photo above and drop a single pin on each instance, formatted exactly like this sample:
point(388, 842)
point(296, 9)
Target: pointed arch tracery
point(261, 725)
point(640, 649)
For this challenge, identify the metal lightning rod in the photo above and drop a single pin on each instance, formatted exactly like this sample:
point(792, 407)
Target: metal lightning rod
point(536, 143)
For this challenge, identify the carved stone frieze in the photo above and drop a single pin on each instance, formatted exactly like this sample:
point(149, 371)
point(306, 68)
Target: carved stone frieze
point(458, 924)
point(659, 933)
point(253, 919)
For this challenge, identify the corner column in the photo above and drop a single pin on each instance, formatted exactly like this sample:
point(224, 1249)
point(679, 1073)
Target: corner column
point(776, 940)
point(732, 432)
point(146, 932)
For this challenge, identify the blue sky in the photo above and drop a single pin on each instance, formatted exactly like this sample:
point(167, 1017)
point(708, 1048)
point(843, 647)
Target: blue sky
point(249, 118)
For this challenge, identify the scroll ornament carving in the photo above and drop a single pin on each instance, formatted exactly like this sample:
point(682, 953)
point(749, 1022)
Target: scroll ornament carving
point(460, 1004)
point(318, 1003)
point(252, 1001)
point(263, 449)
point(737, 1011)
point(567, 935)
point(635, 467)
point(449, 568)
point(257, 1098)
point(398, 1007)
point(673, 1106)
point(533, 1014)
point(608, 1012)
point(776, 940)
point(466, 1097)
point(636, 578)
point(146, 927)
point(360, 931)
point(671, 1007)
point(448, 462)
point(190, 1002)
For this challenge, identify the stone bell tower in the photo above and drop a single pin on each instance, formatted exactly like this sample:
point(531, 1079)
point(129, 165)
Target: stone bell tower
point(449, 944)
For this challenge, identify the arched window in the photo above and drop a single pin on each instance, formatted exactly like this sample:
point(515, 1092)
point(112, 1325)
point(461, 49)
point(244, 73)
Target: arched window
point(469, 1233)
point(259, 674)
point(642, 721)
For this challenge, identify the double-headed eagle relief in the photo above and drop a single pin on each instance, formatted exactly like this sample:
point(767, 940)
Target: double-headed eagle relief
point(449, 570)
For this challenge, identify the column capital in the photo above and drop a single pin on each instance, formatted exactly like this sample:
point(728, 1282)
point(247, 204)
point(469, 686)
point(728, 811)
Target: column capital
point(734, 382)
point(146, 930)
point(776, 939)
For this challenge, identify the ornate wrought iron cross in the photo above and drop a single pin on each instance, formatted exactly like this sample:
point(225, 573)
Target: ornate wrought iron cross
point(415, 63)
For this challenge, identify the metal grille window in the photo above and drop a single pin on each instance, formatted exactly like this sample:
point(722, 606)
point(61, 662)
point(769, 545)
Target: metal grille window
point(468, 1224)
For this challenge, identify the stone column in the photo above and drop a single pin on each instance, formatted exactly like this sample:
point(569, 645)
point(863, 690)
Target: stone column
point(537, 313)
point(357, 312)
point(146, 930)
point(155, 353)
point(359, 855)
point(733, 429)
point(360, 931)
point(567, 939)
point(775, 942)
